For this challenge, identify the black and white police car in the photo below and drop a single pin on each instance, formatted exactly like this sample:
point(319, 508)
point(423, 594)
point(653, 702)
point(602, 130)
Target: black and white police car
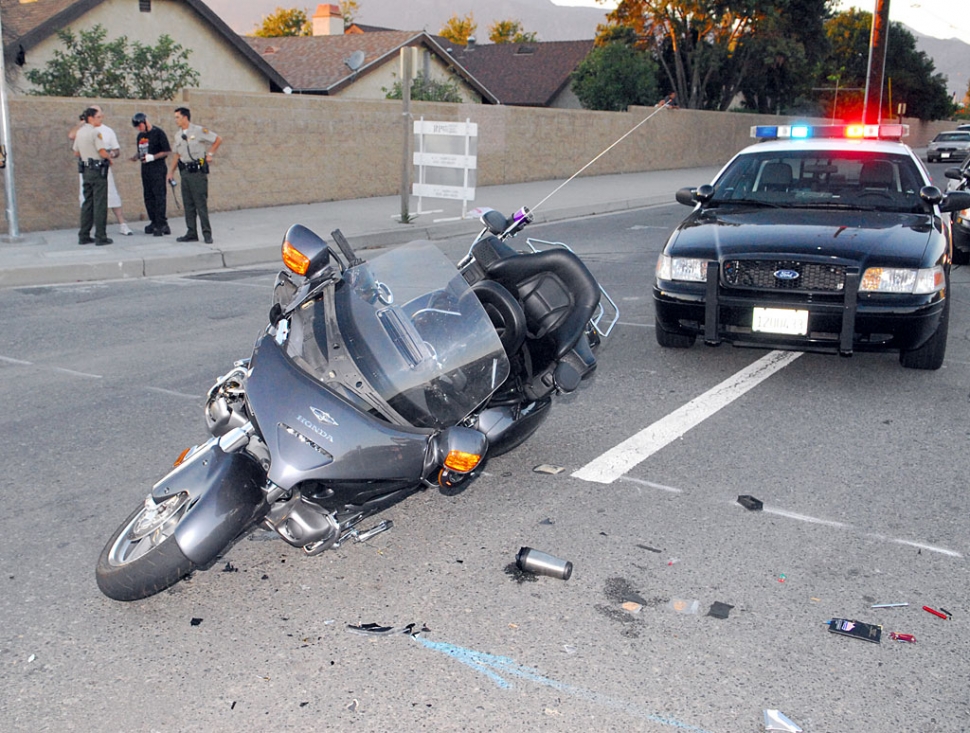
point(819, 238)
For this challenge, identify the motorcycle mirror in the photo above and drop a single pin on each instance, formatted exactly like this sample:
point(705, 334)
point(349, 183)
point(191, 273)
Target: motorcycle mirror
point(304, 252)
point(494, 221)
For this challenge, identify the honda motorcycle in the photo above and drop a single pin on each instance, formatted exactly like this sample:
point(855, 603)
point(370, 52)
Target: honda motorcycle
point(372, 381)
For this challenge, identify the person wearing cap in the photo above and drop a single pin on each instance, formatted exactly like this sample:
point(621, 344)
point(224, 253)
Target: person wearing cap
point(194, 147)
point(94, 162)
point(151, 149)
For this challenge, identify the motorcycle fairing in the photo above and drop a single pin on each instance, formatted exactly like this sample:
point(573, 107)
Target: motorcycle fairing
point(341, 445)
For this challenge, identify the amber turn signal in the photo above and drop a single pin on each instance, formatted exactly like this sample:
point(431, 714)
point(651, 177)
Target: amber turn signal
point(462, 462)
point(295, 260)
point(182, 455)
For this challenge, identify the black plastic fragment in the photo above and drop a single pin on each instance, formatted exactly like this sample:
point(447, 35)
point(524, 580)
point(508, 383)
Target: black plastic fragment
point(195, 621)
point(651, 549)
point(720, 610)
point(230, 568)
point(750, 503)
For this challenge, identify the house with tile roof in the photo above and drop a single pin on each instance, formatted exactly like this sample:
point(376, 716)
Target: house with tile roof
point(361, 64)
point(525, 74)
point(224, 61)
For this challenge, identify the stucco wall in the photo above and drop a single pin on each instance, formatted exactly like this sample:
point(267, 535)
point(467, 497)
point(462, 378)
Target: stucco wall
point(286, 149)
point(220, 65)
point(373, 84)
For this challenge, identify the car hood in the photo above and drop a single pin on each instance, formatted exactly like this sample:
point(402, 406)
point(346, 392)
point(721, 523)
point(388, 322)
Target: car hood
point(851, 236)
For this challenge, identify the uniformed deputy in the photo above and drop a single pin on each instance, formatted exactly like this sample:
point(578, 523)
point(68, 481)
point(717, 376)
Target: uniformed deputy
point(94, 162)
point(194, 148)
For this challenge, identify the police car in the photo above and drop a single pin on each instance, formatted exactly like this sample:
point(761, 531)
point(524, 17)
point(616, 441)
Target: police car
point(819, 238)
point(960, 218)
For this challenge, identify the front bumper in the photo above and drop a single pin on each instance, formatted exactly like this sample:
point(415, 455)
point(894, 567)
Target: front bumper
point(839, 323)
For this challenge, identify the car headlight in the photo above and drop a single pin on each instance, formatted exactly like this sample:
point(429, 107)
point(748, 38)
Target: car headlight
point(903, 280)
point(690, 269)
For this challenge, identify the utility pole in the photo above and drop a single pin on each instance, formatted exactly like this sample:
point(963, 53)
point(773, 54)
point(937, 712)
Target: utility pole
point(13, 227)
point(408, 134)
point(878, 45)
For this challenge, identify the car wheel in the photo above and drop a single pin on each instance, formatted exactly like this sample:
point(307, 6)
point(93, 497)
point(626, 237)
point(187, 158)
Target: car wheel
point(671, 340)
point(930, 355)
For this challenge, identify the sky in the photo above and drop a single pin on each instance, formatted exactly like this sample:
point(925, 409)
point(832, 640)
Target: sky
point(938, 18)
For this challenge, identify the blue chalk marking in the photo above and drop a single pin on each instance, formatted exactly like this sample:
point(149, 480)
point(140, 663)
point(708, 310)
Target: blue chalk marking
point(494, 667)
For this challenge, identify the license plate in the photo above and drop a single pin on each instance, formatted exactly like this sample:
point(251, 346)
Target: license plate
point(944, 155)
point(780, 320)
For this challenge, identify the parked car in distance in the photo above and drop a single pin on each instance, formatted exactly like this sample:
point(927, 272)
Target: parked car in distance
point(960, 219)
point(963, 127)
point(828, 239)
point(953, 145)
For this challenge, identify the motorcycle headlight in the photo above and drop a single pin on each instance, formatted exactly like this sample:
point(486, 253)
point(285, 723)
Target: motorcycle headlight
point(689, 269)
point(903, 280)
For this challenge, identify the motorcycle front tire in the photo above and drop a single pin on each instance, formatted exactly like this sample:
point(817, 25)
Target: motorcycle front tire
point(142, 557)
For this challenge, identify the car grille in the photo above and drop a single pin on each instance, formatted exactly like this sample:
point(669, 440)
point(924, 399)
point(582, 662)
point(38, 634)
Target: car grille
point(764, 275)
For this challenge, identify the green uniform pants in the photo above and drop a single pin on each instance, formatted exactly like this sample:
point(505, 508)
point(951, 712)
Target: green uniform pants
point(94, 210)
point(195, 200)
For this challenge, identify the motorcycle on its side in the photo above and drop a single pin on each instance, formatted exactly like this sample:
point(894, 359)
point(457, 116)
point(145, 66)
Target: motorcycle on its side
point(372, 381)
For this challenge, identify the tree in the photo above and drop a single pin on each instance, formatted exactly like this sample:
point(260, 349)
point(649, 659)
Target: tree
point(459, 30)
point(614, 76)
point(427, 90)
point(510, 31)
point(284, 22)
point(786, 50)
point(349, 9)
point(909, 73)
point(702, 45)
point(91, 67)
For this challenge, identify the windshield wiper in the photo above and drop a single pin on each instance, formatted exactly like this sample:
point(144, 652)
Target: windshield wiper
point(751, 202)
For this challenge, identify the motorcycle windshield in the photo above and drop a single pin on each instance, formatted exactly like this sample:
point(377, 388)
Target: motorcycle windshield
point(418, 334)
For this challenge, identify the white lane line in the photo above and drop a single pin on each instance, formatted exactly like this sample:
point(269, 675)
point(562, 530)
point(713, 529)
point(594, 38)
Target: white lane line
point(923, 546)
point(74, 373)
point(608, 467)
point(8, 360)
point(651, 484)
point(173, 393)
point(806, 518)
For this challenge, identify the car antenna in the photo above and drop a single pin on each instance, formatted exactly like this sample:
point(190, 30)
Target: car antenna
point(665, 105)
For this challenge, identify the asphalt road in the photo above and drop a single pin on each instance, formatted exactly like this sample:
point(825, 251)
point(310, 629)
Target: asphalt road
point(861, 466)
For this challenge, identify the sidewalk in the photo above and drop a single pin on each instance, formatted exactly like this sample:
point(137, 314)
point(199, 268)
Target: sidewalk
point(253, 236)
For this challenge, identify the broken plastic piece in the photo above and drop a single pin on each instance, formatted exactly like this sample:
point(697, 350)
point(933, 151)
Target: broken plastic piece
point(856, 629)
point(548, 468)
point(195, 621)
point(686, 607)
point(370, 629)
point(895, 636)
point(632, 607)
point(936, 613)
point(775, 720)
point(719, 610)
point(651, 549)
point(750, 503)
point(889, 605)
point(946, 612)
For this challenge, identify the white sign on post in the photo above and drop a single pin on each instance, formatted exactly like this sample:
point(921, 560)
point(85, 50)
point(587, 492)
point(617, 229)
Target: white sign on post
point(446, 161)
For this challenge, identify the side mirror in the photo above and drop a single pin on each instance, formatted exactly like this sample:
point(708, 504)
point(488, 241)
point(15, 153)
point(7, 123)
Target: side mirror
point(955, 173)
point(304, 252)
point(705, 193)
point(956, 201)
point(931, 195)
point(685, 196)
point(494, 221)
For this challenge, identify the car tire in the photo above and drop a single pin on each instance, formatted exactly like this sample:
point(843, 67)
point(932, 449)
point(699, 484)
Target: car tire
point(930, 355)
point(671, 340)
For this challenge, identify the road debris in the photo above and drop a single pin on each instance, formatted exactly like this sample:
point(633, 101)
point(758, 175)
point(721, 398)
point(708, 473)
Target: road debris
point(631, 607)
point(542, 563)
point(896, 636)
point(720, 610)
point(230, 568)
point(856, 629)
point(775, 720)
point(750, 503)
point(651, 549)
point(195, 621)
point(889, 605)
point(686, 607)
point(548, 468)
point(373, 629)
point(938, 614)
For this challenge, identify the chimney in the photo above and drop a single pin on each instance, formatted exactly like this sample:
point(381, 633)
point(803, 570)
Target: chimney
point(328, 21)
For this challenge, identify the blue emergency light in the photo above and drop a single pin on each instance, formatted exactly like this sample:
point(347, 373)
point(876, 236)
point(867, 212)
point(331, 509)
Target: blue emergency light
point(854, 131)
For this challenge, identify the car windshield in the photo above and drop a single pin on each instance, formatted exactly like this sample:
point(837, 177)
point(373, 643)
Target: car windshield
point(414, 330)
point(855, 179)
point(952, 137)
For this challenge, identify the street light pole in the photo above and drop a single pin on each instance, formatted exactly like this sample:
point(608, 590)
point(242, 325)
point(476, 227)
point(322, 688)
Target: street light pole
point(878, 45)
point(13, 227)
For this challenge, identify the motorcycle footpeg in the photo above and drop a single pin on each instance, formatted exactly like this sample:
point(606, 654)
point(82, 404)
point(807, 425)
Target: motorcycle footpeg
point(373, 531)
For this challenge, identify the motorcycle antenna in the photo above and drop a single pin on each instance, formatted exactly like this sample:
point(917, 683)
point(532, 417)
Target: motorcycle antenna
point(665, 105)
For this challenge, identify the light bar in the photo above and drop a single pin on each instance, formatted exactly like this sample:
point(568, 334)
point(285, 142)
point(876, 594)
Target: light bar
point(854, 131)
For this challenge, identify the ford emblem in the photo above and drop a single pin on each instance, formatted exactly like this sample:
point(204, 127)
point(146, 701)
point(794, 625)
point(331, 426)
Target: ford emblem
point(787, 274)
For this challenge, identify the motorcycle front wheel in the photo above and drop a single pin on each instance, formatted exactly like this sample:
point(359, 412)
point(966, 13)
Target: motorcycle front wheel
point(142, 557)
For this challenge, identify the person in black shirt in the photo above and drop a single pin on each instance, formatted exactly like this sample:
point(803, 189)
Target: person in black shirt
point(152, 148)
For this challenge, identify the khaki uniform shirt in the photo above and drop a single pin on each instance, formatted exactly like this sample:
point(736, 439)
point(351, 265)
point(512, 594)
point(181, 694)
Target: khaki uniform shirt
point(88, 142)
point(193, 142)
